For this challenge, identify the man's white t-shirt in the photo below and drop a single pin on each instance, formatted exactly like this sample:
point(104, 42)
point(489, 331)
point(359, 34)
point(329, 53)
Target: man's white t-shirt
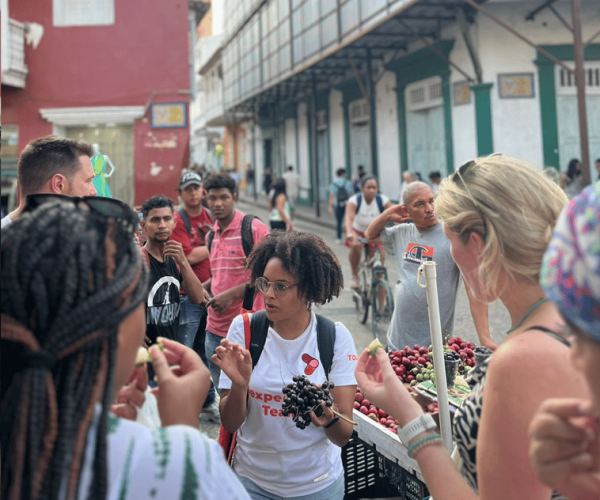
point(271, 451)
point(367, 212)
point(5, 222)
point(292, 184)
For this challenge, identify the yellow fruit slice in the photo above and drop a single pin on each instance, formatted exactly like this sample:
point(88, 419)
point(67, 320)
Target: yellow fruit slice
point(373, 346)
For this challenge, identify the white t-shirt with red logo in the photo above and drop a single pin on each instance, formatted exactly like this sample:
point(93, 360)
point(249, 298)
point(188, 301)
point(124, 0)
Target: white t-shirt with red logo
point(271, 450)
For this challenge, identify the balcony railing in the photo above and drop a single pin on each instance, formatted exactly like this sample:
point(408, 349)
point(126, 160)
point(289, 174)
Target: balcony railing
point(15, 72)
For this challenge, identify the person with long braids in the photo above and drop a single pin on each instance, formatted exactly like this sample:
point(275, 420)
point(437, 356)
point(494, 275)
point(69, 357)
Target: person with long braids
point(498, 214)
point(73, 285)
point(273, 457)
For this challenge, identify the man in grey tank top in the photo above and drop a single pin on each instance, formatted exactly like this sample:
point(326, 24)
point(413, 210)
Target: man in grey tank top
point(413, 243)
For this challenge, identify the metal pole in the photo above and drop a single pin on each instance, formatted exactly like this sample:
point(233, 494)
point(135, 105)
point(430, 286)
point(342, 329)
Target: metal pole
point(372, 116)
point(315, 155)
point(429, 270)
point(580, 83)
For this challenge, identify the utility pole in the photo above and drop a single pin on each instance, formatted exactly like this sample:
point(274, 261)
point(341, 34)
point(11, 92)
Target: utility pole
point(580, 83)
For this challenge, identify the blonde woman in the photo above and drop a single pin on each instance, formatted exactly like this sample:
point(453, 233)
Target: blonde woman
point(498, 213)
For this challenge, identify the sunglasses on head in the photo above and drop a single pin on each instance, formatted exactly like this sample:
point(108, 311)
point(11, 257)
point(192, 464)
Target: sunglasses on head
point(105, 207)
point(459, 178)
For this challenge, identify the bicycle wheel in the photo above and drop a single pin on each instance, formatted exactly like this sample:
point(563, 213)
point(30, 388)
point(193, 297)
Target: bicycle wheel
point(362, 298)
point(382, 302)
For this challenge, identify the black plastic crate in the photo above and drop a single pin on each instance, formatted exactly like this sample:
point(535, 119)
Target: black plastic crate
point(368, 474)
point(404, 483)
point(361, 470)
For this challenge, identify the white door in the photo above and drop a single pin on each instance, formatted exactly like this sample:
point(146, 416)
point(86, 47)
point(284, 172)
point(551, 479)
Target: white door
point(360, 148)
point(567, 116)
point(425, 136)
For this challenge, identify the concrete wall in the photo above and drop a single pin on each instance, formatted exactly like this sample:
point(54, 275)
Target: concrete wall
point(388, 144)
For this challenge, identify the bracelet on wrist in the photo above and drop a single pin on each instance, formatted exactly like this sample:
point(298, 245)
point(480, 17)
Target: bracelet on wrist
point(422, 443)
point(333, 422)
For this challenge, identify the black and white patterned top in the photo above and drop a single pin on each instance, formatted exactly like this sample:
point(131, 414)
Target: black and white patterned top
point(468, 417)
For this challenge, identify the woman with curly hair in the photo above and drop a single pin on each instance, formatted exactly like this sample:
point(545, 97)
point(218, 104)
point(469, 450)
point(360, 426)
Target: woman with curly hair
point(73, 290)
point(273, 457)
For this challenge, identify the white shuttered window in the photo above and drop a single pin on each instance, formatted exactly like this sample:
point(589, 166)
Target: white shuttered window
point(83, 12)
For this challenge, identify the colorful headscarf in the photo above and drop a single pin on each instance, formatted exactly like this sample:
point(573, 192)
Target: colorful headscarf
point(570, 273)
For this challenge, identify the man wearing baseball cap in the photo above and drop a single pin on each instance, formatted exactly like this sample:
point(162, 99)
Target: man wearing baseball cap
point(192, 224)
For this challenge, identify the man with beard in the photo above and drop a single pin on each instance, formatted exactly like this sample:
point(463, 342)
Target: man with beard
point(414, 243)
point(169, 271)
point(229, 275)
point(54, 165)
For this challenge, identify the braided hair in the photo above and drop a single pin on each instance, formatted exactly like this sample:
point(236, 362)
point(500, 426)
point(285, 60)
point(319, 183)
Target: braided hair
point(306, 256)
point(69, 278)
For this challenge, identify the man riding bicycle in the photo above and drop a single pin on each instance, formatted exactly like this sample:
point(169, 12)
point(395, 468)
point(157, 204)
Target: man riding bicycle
point(361, 210)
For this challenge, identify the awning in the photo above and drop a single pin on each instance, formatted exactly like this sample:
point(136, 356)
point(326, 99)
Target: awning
point(389, 38)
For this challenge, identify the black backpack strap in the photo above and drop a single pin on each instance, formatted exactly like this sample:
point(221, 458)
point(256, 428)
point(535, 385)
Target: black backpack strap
point(259, 327)
point(186, 220)
point(209, 238)
point(326, 342)
point(379, 202)
point(358, 201)
point(247, 238)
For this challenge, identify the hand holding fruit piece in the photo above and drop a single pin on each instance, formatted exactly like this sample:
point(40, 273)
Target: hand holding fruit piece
point(182, 390)
point(379, 383)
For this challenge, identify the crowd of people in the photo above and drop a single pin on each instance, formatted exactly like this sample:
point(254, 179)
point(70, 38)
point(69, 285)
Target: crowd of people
point(81, 295)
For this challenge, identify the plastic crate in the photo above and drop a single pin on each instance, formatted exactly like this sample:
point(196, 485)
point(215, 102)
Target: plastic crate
point(361, 469)
point(404, 483)
point(369, 474)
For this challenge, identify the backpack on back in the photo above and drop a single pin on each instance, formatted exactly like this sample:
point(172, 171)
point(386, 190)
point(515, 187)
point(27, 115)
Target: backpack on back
point(378, 199)
point(247, 238)
point(342, 195)
point(259, 327)
point(247, 245)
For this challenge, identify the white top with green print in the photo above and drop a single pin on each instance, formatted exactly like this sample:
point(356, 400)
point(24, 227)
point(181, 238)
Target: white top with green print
point(176, 462)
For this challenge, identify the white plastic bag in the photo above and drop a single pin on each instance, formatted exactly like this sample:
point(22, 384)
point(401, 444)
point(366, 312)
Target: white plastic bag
point(148, 414)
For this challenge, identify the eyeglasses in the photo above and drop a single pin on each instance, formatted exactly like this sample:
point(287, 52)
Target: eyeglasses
point(278, 287)
point(458, 177)
point(105, 207)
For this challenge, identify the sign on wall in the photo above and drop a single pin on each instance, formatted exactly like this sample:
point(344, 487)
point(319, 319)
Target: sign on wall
point(462, 93)
point(168, 115)
point(515, 85)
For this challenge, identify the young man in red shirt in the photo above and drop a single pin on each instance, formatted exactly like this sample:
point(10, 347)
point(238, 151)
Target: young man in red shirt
point(192, 224)
point(229, 275)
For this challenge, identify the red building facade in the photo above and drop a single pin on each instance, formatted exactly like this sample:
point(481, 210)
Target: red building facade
point(118, 77)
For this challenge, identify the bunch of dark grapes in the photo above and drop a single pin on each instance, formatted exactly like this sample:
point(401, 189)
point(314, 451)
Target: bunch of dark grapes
point(302, 396)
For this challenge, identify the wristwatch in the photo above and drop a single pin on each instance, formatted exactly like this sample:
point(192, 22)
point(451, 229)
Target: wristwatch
point(415, 427)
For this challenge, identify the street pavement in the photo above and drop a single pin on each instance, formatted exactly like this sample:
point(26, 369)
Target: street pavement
point(343, 309)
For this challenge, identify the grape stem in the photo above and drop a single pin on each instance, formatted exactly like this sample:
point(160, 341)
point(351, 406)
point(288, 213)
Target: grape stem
point(343, 417)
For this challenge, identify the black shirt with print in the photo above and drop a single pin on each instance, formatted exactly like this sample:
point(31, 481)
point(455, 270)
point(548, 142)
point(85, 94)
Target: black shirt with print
point(162, 306)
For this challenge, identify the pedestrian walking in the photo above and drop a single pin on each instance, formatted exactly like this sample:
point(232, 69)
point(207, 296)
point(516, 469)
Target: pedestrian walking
point(279, 207)
point(340, 191)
